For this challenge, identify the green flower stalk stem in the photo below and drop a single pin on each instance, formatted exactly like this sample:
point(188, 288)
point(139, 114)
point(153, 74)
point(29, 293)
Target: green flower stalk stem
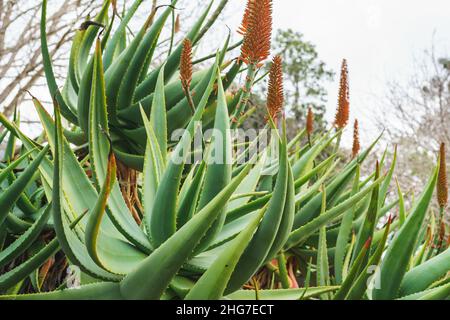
point(338, 142)
point(240, 108)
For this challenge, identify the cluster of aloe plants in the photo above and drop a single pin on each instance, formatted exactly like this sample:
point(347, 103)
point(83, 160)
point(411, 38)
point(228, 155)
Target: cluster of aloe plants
point(123, 203)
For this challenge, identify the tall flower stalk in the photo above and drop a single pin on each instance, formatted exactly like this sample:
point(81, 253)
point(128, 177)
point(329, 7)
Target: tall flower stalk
point(256, 28)
point(442, 196)
point(343, 109)
point(442, 186)
point(275, 95)
point(186, 71)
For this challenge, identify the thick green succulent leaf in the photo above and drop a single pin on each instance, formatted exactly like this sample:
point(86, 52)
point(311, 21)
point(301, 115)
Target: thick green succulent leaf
point(344, 234)
point(439, 293)
point(360, 285)
point(294, 141)
point(213, 282)
point(115, 73)
point(367, 229)
point(384, 188)
point(256, 252)
point(96, 214)
point(77, 187)
point(248, 208)
point(69, 241)
point(111, 48)
point(401, 204)
point(74, 73)
point(179, 115)
point(9, 279)
point(248, 185)
point(172, 63)
point(301, 234)
point(95, 291)
point(137, 66)
point(358, 264)
point(424, 275)
point(218, 169)
point(84, 97)
point(305, 162)
point(312, 208)
point(188, 202)
point(98, 120)
point(173, 92)
point(99, 153)
point(24, 203)
point(161, 222)
point(23, 242)
point(261, 201)
point(307, 194)
point(48, 69)
point(287, 220)
point(9, 196)
point(168, 258)
point(232, 229)
point(4, 173)
point(154, 167)
point(158, 116)
point(16, 225)
point(395, 263)
point(92, 30)
point(10, 147)
point(323, 273)
point(3, 135)
point(313, 172)
point(282, 294)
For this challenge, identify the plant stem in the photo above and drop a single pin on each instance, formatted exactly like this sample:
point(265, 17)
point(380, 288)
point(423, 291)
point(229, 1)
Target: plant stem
point(338, 142)
point(240, 108)
point(187, 93)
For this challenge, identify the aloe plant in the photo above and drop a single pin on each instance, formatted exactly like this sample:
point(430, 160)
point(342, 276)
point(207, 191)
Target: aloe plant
point(276, 226)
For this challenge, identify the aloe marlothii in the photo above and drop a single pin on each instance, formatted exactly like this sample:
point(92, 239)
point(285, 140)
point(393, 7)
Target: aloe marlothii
point(208, 228)
point(93, 256)
point(256, 28)
point(128, 286)
point(394, 265)
point(343, 109)
point(125, 288)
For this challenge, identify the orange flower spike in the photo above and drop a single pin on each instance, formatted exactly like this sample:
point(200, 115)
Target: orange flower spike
point(257, 29)
point(442, 186)
point(343, 111)
point(275, 95)
point(310, 122)
point(356, 146)
point(186, 64)
point(244, 25)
